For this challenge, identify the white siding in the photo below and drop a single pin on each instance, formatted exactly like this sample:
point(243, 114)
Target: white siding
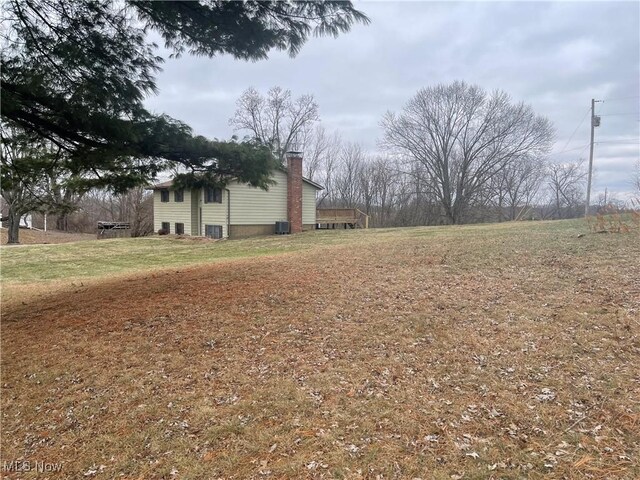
point(308, 204)
point(248, 206)
point(214, 213)
point(172, 212)
point(254, 206)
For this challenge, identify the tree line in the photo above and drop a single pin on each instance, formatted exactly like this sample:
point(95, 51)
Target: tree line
point(454, 154)
point(77, 137)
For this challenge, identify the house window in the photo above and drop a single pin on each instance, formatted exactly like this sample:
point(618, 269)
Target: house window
point(164, 195)
point(213, 231)
point(179, 228)
point(213, 195)
point(178, 195)
point(166, 226)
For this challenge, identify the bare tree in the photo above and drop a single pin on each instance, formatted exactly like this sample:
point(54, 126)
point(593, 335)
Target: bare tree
point(321, 152)
point(419, 204)
point(347, 190)
point(608, 202)
point(566, 182)
point(321, 156)
point(463, 136)
point(387, 176)
point(367, 185)
point(378, 181)
point(516, 187)
point(314, 144)
point(136, 207)
point(276, 119)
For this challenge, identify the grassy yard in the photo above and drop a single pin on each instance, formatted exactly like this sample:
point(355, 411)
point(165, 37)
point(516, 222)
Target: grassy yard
point(489, 351)
point(30, 237)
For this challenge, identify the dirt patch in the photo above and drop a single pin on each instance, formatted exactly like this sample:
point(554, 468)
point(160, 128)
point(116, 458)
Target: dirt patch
point(412, 359)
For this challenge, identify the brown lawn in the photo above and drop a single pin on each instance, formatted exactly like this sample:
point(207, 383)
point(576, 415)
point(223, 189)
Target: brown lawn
point(507, 351)
point(30, 237)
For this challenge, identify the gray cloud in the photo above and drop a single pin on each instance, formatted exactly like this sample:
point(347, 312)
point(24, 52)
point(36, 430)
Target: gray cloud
point(555, 56)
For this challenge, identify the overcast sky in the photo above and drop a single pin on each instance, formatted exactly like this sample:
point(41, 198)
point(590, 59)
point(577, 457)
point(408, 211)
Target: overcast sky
point(554, 56)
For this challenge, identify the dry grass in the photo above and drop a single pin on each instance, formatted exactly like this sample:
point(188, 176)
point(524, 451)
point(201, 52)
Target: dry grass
point(31, 237)
point(505, 351)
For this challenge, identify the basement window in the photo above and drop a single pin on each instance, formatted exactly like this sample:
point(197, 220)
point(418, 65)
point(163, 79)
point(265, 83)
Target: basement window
point(166, 226)
point(213, 231)
point(179, 228)
point(178, 195)
point(213, 195)
point(164, 195)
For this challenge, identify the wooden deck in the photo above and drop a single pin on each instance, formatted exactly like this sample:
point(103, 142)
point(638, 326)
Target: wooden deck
point(341, 218)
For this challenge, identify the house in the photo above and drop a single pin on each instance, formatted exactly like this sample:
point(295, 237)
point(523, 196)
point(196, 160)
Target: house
point(239, 210)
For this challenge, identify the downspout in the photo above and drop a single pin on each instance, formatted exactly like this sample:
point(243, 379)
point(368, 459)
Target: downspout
point(228, 212)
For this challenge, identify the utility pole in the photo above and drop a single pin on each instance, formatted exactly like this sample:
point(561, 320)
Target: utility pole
point(595, 122)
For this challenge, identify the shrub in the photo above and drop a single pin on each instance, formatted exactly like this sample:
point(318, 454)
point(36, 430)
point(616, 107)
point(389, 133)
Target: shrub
point(163, 231)
point(615, 219)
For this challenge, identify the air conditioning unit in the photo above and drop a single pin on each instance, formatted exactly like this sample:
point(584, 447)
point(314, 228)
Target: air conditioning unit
point(282, 228)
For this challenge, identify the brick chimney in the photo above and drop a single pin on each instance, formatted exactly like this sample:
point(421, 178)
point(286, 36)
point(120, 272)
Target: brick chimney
point(294, 191)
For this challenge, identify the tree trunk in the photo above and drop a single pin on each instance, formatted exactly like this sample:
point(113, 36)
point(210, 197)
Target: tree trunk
point(455, 212)
point(62, 222)
point(14, 226)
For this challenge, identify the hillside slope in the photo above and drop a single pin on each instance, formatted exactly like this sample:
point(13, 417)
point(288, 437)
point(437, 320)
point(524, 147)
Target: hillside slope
point(461, 352)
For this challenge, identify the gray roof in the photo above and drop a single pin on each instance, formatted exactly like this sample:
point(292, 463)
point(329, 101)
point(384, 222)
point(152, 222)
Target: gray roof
point(159, 186)
point(169, 184)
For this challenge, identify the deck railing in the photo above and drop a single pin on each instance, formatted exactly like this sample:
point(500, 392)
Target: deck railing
point(346, 216)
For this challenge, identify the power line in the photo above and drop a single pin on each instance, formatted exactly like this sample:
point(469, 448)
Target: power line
point(574, 132)
point(615, 114)
point(572, 149)
point(620, 98)
point(583, 149)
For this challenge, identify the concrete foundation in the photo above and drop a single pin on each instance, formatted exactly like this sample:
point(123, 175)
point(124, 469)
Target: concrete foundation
point(245, 231)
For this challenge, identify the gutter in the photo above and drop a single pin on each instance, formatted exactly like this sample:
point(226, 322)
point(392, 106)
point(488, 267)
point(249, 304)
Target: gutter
point(228, 212)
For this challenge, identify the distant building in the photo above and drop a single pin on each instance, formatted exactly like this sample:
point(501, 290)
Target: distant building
point(238, 210)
